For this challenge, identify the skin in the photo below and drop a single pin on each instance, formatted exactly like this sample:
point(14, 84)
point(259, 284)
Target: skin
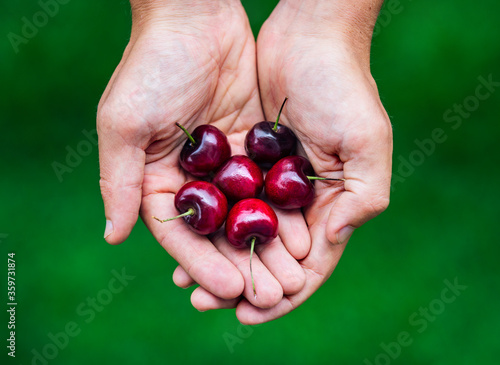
point(191, 62)
point(316, 52)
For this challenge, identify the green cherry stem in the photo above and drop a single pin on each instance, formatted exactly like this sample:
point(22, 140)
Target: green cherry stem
point(323, 178)
point(252, 248)
point(187, 133)
point(190, 211)
point(275, 128)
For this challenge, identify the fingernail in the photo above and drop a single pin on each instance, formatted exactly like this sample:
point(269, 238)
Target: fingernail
point(109, 228)
point(344, 234)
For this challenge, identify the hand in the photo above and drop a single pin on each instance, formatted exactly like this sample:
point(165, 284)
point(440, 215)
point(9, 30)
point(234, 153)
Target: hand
point(190, 69)
point(335, 110)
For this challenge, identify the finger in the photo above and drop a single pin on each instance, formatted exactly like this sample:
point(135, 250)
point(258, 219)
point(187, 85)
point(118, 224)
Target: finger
point(367, 171)
point(122, 171)
point(268, 289)
point(282, 266)
point(196, 254)
point(203, 301)
point(182, 279)
point(294, 232)
point(318, 267)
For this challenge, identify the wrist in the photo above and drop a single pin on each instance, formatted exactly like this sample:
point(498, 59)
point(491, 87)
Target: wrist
point(350, 22)
point(150, 11)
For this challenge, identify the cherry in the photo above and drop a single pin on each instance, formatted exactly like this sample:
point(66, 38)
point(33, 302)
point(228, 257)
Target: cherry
point(249, 223)
point(288, 184)
point(206, 149)
point(267, 142)
point(203, 207)
point(239, 178)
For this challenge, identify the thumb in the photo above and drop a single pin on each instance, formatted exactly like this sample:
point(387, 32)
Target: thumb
point(122, 171)
point(366, 195)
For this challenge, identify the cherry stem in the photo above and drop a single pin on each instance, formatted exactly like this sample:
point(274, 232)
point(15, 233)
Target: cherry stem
point(187, 133)
point(252, 248)
point(190, 211)
point(323, 178)
point(275, 128)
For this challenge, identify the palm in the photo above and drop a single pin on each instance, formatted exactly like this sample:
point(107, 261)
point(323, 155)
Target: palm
point(335, 112)
point(196, 83)
point(193, 77)
point(311, 82)
point(212, 84)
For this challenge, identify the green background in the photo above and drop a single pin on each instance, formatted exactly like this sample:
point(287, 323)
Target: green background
point(427, 56)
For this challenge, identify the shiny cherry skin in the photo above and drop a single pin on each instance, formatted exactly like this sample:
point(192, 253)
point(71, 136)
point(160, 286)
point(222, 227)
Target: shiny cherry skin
point(207, 153)
point(287, 184)
point(207, 204)
point(239, 178)
point(267, 142)
point(251, 219)
point(266, 146)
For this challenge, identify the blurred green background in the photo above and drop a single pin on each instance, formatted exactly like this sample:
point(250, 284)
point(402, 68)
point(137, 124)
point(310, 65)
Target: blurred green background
point(427, 56)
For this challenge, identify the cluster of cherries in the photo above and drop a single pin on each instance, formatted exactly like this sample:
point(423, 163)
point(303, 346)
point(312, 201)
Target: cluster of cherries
point(239, 180)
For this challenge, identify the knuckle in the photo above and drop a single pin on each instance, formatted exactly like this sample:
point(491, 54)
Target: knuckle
point(270, 299)
point(114, 119)
point(104, 113)
point(294, 283)
point(369, 131)
point(110, 184)
point(377, 205)
point(357, 142)
point(106, 189)
point(104, 185)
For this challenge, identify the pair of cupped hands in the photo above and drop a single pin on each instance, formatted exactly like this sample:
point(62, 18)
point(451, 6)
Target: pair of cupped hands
point(204, 67)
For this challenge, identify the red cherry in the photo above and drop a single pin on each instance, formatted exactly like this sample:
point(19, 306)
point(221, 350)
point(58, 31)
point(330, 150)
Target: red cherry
point(268, 142)
point(206, 149)
point(288, 184)
point(251, 222)
point(239, 178)
point(203, 207)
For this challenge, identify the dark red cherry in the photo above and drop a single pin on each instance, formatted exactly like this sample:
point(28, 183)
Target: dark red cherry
point(267, 142)
point(206, 149)
point(288, 184)
point(251, 219)
point(239, 178)
point(251, 222)
point(202, 206)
